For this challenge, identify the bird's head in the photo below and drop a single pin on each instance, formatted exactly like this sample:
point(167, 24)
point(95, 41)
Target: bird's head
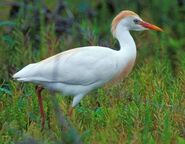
point(128, 20)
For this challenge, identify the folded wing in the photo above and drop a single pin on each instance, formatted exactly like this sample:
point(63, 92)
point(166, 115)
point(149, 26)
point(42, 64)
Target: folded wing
point(80, 66)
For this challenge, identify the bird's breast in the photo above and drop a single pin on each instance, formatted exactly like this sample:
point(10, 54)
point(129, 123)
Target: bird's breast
point(124, 70)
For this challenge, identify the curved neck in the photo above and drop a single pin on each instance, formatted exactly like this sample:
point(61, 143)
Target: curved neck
point(126, 41)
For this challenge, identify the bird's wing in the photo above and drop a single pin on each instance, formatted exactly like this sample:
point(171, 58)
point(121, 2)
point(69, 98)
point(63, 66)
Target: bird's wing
point(81, 66)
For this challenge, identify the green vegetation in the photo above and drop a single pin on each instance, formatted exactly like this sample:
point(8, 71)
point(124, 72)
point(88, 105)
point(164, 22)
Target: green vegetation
point(147, 107)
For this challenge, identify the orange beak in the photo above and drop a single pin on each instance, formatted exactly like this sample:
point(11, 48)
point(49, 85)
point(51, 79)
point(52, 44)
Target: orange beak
point(150, 26)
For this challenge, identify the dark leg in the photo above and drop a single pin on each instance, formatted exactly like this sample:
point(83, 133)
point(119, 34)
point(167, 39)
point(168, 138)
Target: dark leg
point(38, 91)
point(70, 111)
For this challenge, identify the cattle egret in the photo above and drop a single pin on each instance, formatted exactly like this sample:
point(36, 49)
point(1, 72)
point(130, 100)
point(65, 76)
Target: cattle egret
point(78, 71)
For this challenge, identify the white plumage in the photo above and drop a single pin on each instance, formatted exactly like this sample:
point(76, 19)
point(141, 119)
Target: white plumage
point(78, 71)
point(75, 72)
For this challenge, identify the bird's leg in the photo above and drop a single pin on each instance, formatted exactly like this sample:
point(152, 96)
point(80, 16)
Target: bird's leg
point(76, 100)
point(70, 111)
point(38, 92)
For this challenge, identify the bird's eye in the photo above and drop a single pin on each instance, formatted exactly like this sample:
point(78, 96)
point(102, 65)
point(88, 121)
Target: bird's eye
point(136, 21)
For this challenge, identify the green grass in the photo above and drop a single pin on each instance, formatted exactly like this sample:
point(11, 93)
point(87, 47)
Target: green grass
point(148, 107)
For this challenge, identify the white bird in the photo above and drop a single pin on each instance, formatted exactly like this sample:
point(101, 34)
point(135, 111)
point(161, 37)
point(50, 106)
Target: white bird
point(78, 71)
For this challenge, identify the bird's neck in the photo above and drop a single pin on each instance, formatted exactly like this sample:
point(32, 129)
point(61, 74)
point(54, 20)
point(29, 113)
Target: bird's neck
point(127, 44)
point(126, 55)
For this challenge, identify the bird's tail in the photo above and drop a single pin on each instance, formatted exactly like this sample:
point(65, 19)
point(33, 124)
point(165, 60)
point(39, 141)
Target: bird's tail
point(24, 74)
